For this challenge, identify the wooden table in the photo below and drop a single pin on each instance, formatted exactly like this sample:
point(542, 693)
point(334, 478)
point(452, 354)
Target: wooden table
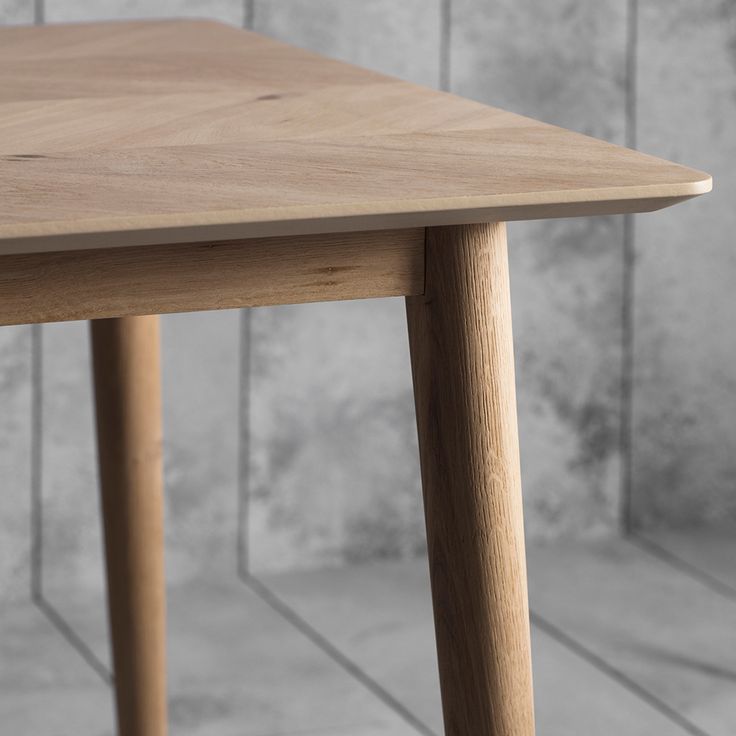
point(172, 166)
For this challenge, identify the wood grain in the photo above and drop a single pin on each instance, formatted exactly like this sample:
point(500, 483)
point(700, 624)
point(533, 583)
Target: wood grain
point(67, 285)
point(463, 369)
point(128, 400)
point(140, 133)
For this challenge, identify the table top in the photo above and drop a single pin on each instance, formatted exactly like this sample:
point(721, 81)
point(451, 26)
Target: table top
point(137, 133)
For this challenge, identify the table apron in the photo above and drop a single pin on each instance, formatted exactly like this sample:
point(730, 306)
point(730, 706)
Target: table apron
point(137, 280)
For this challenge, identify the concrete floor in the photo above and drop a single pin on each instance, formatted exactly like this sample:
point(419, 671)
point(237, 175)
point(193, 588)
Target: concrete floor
point(630, 637)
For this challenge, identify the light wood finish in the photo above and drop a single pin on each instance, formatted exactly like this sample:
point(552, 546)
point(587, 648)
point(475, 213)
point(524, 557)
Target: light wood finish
point(128, 399)
point(67, 285)
point(141, 133)
point(153, 167)
point(463, 368)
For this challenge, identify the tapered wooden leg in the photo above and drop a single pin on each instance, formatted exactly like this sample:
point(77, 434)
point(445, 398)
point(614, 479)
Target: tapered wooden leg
point(127, 391)
point(463, 368)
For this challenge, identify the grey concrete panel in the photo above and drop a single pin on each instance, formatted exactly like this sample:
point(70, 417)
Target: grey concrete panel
point(66, 11)
point(200, 393)
point(563, 63)
point(334, 473)
point(15, 462)
point(685, 301)
point(16, 11)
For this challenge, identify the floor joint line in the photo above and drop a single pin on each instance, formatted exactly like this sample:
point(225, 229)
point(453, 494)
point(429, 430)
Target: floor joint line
point(305, 628)
point(615, 674)
point(76, 641)
point(686, 568)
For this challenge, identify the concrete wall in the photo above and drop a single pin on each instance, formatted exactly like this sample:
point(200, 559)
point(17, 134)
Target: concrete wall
point(331, 388)
point(15, 461)
point(322, 467)
point(684, 460)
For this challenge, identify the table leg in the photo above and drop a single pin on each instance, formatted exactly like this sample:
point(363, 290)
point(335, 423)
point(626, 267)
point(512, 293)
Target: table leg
point(128, 398)
point(463, 369)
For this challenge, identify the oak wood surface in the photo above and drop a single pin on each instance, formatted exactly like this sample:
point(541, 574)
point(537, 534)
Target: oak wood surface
point(90, 284)
point(463, 368)
point(137, 133)
point(128, 401)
